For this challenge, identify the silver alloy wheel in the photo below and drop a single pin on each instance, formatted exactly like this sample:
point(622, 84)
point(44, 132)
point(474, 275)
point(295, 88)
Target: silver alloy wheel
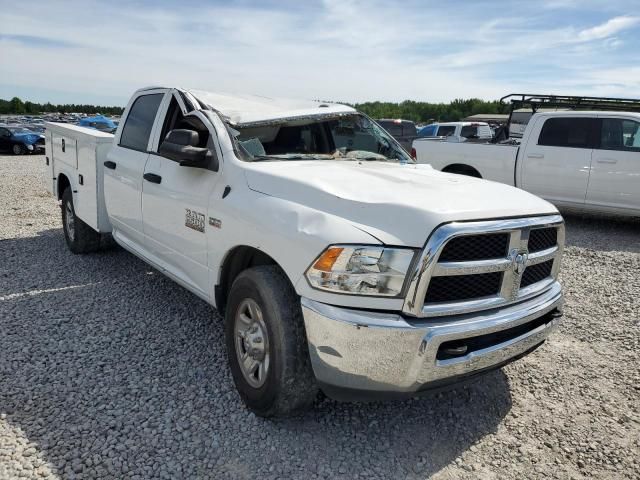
point(17, 149)
point(70, 221)
point(252, 343)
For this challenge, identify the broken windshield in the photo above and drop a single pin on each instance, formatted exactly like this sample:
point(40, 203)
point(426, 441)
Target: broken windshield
point(347, 137)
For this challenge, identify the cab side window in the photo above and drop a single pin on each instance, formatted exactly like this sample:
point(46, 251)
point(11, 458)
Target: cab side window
point(175, 120)
point(619, 134)
point(392, 128)
point(566, 132)
point(446, 131)
point(139, 122)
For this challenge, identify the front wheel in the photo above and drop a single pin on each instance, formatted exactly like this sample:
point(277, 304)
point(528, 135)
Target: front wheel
point(80, 237)
point(19, 149)
point(267, 345)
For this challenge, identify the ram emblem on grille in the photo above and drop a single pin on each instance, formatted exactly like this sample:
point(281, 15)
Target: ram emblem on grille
point(518, 261)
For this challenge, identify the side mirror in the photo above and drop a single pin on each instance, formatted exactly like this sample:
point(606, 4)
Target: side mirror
point(181, 145)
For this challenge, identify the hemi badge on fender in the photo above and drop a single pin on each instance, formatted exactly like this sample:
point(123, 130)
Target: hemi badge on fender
point(194, 220)
point(214, 222)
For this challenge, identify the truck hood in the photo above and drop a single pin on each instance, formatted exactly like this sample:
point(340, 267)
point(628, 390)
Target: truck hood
point(397, 204)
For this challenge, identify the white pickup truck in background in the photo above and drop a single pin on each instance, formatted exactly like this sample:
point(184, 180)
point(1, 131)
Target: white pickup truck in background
point(580, 160)
point(337, 263)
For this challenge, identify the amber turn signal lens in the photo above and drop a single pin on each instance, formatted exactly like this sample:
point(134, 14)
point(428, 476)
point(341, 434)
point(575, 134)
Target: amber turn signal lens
point(327, 259)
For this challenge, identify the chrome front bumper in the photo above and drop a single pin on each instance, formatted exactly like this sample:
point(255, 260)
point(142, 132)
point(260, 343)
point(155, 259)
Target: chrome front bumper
point(360, 354)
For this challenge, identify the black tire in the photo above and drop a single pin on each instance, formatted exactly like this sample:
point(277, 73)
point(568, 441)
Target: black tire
point(18, 149)
point(80, 237)
point(289, 383)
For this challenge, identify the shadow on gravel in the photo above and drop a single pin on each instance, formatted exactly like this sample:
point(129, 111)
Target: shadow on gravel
point(603, 233)
point(125, 376)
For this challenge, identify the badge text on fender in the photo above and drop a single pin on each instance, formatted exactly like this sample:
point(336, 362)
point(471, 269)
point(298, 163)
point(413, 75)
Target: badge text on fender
point(194, 220)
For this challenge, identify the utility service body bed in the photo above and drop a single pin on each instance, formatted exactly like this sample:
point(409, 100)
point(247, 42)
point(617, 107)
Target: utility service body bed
point(79, 153)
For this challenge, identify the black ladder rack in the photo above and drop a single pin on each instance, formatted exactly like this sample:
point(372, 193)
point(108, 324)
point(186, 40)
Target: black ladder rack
point(534, 101)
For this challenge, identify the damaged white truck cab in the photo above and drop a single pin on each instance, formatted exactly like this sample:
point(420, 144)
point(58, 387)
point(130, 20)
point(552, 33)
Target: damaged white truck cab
point(338, 263)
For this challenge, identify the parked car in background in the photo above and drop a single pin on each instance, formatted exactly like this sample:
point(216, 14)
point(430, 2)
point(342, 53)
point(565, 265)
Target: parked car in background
point(463, 130)
point(20, 140)
point(404, 131)
point(99, 122)
point(36, 127)
point(584, 160)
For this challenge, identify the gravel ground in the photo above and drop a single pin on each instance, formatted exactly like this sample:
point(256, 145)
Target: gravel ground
point(110, 370)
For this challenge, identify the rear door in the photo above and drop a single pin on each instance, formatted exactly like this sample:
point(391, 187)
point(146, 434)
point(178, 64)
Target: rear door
point(175, 202)
point(124, 167)
point(615, 172)
point(556, 160)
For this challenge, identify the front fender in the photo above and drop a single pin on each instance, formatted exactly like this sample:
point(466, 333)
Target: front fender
point(290, 233)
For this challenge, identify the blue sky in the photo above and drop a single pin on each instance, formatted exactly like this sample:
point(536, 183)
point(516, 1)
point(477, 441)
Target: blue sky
point(346, 50)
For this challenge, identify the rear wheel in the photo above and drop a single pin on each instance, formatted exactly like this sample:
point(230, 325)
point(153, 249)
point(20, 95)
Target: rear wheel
point(266, 343)
point(80, 237)
point(19, 149)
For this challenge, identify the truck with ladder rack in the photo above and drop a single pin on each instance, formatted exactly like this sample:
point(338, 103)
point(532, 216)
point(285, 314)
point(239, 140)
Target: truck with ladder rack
point(579, 153)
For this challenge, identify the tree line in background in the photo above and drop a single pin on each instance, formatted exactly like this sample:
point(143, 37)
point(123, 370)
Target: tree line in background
point(424, 112)
point(15, 106)
point(421, 112)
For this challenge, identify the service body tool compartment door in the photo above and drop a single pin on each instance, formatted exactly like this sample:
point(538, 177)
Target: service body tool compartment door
point(49, 175)
point(89, 198)
point(65, 149)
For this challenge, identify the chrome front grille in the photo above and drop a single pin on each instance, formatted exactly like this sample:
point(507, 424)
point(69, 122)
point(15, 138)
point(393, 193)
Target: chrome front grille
point(475, 247)
point(473, 266)
point(542, 238)
point(536, 273)
point(463, 287)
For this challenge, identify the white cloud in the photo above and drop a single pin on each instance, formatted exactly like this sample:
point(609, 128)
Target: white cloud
point(609, 28)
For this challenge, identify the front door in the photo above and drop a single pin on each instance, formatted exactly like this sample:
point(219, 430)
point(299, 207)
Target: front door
point(556, 161)
point(615, 172)
point(174, 205)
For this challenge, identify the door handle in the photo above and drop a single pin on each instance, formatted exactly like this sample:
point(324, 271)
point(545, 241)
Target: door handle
point(535, 155)
point(110, 165)
point(152, 177)
point(607, 160)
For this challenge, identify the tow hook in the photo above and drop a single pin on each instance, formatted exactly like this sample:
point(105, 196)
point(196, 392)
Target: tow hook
point(455, 350)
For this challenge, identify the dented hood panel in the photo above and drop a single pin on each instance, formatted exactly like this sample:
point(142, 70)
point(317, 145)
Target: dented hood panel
point(398, 204)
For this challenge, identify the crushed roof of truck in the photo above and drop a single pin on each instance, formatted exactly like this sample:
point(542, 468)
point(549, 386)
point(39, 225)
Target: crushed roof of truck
point(246, 110)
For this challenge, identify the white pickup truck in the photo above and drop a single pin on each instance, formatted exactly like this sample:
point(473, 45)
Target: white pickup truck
point(337, 262)
point(577, 160)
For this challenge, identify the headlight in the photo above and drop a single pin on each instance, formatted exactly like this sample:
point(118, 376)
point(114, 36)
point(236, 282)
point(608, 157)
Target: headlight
point(361, 270)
